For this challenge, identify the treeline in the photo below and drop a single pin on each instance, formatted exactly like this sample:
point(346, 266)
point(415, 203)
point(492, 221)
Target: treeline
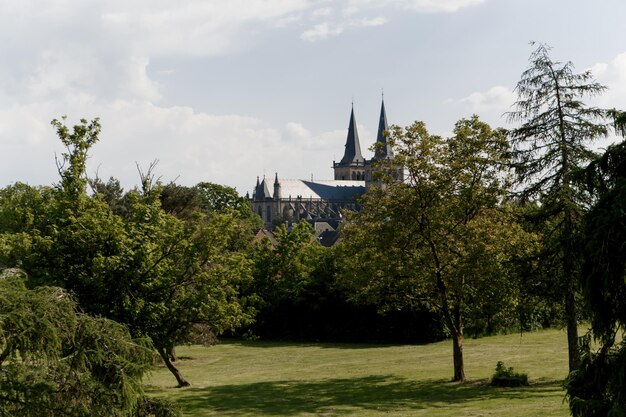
point(489, 231)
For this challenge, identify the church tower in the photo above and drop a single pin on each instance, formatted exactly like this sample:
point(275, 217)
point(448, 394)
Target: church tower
point(383, 148)
point(381, 163)
point(352, 165)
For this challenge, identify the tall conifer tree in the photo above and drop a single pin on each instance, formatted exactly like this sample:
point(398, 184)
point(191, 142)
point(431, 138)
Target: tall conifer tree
point(551, 144)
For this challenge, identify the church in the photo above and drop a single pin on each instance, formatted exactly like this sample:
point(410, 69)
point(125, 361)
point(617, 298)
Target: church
point(322, 202)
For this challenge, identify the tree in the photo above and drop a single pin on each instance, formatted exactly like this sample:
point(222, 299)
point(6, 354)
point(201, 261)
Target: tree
point(284, 271)
point(56, 361)
point(440, 237)
point(598, 386)
point(157, 274)
point(549, 146)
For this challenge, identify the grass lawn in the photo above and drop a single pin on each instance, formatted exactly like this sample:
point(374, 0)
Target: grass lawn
point(295, 379)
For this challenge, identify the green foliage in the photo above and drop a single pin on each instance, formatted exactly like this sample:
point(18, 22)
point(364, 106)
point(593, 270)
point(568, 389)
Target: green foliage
point(56, 361)
point(548, 149)
point(288, 271)
point(599, 387)
point(112, 194)
point(507, 377)
point(141, 266)
point(216, 197)
point(297, 297)
point(441, 238)
point(77, 143)
point(156, 407)
point(285, 271)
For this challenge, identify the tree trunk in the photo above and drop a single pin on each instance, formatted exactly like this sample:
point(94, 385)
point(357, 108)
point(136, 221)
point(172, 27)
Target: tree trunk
point(171, 351)
point(182, 382)
point(457, 353)
point(572, 328)
point(569, 271)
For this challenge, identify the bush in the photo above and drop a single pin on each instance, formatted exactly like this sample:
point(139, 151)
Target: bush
point(507, 377)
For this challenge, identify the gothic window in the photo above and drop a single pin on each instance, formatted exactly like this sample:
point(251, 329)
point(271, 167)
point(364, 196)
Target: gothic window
point(269, 214)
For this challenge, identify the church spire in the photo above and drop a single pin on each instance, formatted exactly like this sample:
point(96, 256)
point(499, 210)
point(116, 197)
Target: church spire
point(383, 148)
point(352, 154)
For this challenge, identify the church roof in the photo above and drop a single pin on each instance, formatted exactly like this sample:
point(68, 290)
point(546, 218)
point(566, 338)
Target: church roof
point(383, 148)
point(261, 191)
point(352, 154)
point(321, 189)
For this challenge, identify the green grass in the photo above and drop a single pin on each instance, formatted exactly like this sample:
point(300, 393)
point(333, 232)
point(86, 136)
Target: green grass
point(291, 379)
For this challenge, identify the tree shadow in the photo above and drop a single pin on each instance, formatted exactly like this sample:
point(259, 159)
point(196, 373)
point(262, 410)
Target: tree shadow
point(343, 396)
point(262, 344)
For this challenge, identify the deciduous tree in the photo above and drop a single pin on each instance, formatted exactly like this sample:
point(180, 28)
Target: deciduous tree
point(156, 273)
point(440, 237)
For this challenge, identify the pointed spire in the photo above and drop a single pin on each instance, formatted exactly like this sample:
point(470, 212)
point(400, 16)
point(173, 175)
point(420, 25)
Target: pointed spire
point(352, 153)
point(276, 188)
point(383, 149)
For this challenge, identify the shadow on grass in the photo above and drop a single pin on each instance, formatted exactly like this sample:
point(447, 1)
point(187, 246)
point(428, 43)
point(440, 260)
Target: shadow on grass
point(343, 396)
point(263, 344)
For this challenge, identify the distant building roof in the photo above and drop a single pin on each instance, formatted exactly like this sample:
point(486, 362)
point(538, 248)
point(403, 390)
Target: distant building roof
point(261, 190)
point(264, 233)
point(328, 238)
point(321, 189)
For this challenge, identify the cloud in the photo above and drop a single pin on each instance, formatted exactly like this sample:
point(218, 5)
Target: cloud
point(322, 31)
point(92, 59)
point(190, 146)
point(325, 30)
point(491, 105)
point(358, 14)
point(613, 75)
point(497, 98)
point(420, 6)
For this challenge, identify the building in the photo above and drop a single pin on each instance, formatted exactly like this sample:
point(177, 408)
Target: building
point(288, 200)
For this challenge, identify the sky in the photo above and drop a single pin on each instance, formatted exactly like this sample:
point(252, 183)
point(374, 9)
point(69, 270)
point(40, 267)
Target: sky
point(228, 90)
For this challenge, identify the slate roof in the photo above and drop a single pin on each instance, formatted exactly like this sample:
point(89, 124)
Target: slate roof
point(328, 238)
point(383, 149)
point(321, 189)
point(352, 154)
point(261, 191)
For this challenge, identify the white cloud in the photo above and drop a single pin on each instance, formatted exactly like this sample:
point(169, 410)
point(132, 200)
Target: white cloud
point(357, 14)
point(321, 31)
point(420, 6)
point(190, 146)
point(497, 98)
point(613, 75)
point(325, 30)
point(491, 105)
point(91, 59)
point(377, 21)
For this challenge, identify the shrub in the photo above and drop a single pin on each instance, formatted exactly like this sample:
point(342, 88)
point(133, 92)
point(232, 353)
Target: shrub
point(507, 377)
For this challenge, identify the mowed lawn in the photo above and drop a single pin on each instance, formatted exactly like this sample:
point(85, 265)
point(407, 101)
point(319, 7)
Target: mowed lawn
point(300, 379)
